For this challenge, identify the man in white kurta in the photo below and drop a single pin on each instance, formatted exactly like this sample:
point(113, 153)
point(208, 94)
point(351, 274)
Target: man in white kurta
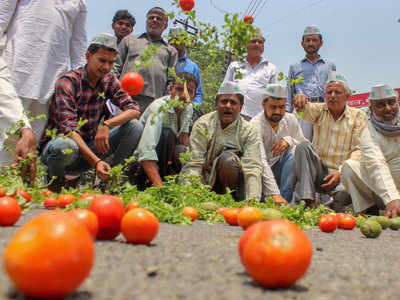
point(45, 38)
point(374, 181)
point(256, 73)
point(280, 132)
point(21, 141)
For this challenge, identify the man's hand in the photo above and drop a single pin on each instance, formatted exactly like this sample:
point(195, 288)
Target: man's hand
point(393, 209)
point(183, 138)
point(279, 147)
point(101, 140)
point(278, 199)
point(102, 169)
point(25, 145)
point(300, 102)
point(332, 180)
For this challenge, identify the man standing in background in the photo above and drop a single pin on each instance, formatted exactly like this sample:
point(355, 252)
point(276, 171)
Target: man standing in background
point(155, 74)
point(256, 72)
point(314, 69)
point(45, 38)
point(123, 23)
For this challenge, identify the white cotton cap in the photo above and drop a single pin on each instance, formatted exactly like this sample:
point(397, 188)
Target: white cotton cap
point(274, 90)
point(382, 91)
point(229, 87)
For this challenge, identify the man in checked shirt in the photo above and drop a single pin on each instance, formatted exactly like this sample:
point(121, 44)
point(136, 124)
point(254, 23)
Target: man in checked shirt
point(80, 95)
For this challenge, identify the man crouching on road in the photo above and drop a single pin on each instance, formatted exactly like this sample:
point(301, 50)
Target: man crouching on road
point(280, 133)
point(226, 148)
point(374, 181)
point(337, 128)
point(166, 130)
point(80, 96)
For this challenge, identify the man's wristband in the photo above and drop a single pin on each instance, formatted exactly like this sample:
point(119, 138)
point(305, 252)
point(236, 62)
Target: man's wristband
point(105, 124)
point(95, 165)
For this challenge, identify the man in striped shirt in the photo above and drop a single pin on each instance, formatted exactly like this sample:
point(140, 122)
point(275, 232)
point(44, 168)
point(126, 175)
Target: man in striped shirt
point(337, 129)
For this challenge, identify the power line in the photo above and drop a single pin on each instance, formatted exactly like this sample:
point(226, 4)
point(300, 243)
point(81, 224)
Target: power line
point(251, 7)
point(262, 7)
point(256, 8)
point(217, 8)
point(293, 12)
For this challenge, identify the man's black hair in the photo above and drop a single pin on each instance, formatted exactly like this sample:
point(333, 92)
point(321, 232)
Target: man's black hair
point(93, 48)
point(186, 76)
point(124, 14)
point(156, 8)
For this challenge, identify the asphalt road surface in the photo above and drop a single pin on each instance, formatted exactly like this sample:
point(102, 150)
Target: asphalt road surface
point(202, 262)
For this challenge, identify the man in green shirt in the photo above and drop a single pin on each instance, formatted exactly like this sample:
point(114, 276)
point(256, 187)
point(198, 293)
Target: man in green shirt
point(166, 130)
point(226, 148)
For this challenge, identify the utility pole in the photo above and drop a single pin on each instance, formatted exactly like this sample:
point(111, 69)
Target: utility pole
point(188, 28)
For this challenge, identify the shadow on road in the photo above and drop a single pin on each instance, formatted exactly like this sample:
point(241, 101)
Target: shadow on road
point(80, 295)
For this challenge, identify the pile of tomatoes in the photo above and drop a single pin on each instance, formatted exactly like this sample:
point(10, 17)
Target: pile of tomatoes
point(330, 222)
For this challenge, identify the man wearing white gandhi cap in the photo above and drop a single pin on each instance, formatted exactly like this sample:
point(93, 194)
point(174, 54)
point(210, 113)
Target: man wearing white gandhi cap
point(374, 181)
point(337, 128)
point(280, 133)
point(314, 69)
point(226, 148)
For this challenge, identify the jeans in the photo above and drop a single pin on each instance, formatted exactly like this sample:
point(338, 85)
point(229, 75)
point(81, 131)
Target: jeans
point(285, 174)
point(62, 155)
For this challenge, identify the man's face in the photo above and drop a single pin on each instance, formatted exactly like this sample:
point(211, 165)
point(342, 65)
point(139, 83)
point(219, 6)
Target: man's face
point(100, 63)
point(336, 97)
point(385, 110)
point(228, 107)
point(185, 91)
point(311, 43)
point(274, 109)
point(256, 47)
point(156, 23)
point(122, 28)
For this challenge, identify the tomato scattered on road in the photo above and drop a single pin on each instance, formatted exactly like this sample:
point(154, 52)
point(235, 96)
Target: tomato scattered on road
point(139, 226)
point(328, 223)
point(10, 211)
point(190, 212)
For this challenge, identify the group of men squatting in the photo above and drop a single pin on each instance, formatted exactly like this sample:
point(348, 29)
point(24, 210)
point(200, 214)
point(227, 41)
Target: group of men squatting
point(322, 151)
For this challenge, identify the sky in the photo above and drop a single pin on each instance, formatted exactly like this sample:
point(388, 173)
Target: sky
point(362, 38)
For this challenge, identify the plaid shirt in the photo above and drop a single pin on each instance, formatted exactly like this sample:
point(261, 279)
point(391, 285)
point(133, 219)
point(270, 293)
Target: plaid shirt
point(74, 99)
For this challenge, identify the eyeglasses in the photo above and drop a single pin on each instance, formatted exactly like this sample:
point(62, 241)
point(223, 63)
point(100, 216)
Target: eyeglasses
point(158, 18)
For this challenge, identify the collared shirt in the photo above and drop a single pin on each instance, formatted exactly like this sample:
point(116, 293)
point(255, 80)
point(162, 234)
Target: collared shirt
point(335, 141)
point(76, 100)
point(154, 121)
point(288, 129)
point(45, 38)
point(252, 82)
point(208, 140)
point(315, 75)
point(155, 75)
point(186, 65)
point(380, 163)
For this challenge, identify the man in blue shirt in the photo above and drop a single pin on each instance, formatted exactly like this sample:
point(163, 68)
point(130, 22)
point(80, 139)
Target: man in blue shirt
point(176, 37)
point(314, 69)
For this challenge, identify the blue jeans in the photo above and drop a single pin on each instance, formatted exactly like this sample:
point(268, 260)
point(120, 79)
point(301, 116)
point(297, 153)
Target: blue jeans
point(62, 155)
point(285, 174)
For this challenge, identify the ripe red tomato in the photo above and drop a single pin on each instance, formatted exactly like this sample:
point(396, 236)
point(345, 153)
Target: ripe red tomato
point(47, 193)
point(10, 211)
point(248, 216)
point(109, 211)
point(347, 222)
point(221, 210)
point(190, 212)
point(276, 253)
point(87, 196)
point(50, 256)
point(87, 218)
point(328, 223)
point(186, 5)
point(231, 216)
point(22, 193)
point(139, 226)
point(2, 192)
point(65, 199)
point(132, 83)
point(51, 203)
point(248, 19)
point(131, 205)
